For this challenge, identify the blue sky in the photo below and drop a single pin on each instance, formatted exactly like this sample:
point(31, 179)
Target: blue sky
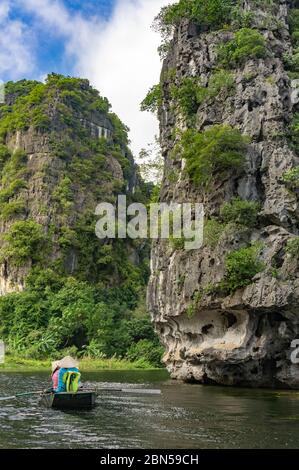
point(110, 42)
point(48, 47)
point(102, 7)
point(51, 49)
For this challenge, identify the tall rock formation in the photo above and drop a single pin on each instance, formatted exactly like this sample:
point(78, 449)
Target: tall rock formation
point(62, 153)
point(216, 330)
point(63, 290)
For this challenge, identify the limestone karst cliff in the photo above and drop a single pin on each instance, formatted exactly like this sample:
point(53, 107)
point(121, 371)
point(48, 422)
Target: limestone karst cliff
point(228, 313)
point(62, 152)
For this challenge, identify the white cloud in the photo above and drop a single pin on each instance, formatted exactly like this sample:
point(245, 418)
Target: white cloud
point(123, 63)
point(15, 45)
point(119, 56)
point(4, 10)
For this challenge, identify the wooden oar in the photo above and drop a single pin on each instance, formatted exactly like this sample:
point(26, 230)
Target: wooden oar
point(20, 395)
point(143, 391)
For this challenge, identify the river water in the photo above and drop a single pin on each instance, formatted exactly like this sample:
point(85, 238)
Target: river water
point(183, 417)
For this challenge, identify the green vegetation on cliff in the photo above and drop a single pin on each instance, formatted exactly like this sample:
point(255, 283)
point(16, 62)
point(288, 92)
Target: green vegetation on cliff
point(293, 247)
point(25, 240)
point(247, 44)
point(291, 178)
point(241, 212)
point(153, 100)
point(82, 295)
point(214, 151)
point(33, 103)
point(291, 61)
point(190, 94)
point(241, 267)
point(209, 14)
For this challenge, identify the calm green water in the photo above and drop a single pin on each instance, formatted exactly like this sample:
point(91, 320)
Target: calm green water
point(185, 416)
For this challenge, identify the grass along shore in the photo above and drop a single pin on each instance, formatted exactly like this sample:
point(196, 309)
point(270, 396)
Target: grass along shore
point(13, 363)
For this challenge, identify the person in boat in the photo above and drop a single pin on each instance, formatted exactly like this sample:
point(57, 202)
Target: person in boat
point(66, 375)
point(55, 375)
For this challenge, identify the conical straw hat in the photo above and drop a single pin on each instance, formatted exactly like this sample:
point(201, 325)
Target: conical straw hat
point(67, 363)
point(55, 364)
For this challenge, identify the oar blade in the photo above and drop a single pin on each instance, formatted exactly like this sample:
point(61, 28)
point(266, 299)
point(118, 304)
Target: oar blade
point(7, 398)
point(142, 391)
point(21, 395)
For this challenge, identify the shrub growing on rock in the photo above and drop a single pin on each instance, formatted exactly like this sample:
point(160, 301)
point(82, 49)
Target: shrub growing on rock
point(241, 267)
point(291, 177)
point(10, 209)
point(291, 62)
point(25, 240)
point(293, 247)
point(189, 95)
point(213, 231)
point(221, 81)
point(240, 212)
point(247, 44)
point(293, 132)
point(4, 155)
point(215, 150)
point(153, 99)
point(11, 190)
point(294, 20)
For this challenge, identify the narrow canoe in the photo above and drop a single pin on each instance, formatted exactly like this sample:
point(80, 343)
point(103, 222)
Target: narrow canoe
point(69, 401)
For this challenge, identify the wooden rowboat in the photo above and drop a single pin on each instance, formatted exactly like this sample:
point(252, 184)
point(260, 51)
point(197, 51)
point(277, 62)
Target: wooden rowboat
point(69, 401)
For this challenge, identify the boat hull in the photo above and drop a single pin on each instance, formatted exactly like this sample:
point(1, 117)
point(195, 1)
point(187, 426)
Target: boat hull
point(69, 401)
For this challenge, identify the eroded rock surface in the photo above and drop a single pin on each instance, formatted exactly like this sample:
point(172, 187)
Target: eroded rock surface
point(243, 338)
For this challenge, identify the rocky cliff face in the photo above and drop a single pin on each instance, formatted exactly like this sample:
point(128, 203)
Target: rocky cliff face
point(62, 153)
point(240, 336)
point(62, 290)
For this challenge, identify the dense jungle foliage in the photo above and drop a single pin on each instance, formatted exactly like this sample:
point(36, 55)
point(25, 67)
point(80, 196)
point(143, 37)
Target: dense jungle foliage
point(82, 295)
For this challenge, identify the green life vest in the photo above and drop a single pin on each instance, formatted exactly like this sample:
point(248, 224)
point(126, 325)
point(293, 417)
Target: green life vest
point(71, 380)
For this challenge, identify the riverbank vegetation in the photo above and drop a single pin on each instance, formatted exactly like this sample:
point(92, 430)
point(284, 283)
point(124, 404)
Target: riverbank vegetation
point(15, 364)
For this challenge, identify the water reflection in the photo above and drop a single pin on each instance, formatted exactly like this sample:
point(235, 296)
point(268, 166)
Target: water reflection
point(185, 416)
